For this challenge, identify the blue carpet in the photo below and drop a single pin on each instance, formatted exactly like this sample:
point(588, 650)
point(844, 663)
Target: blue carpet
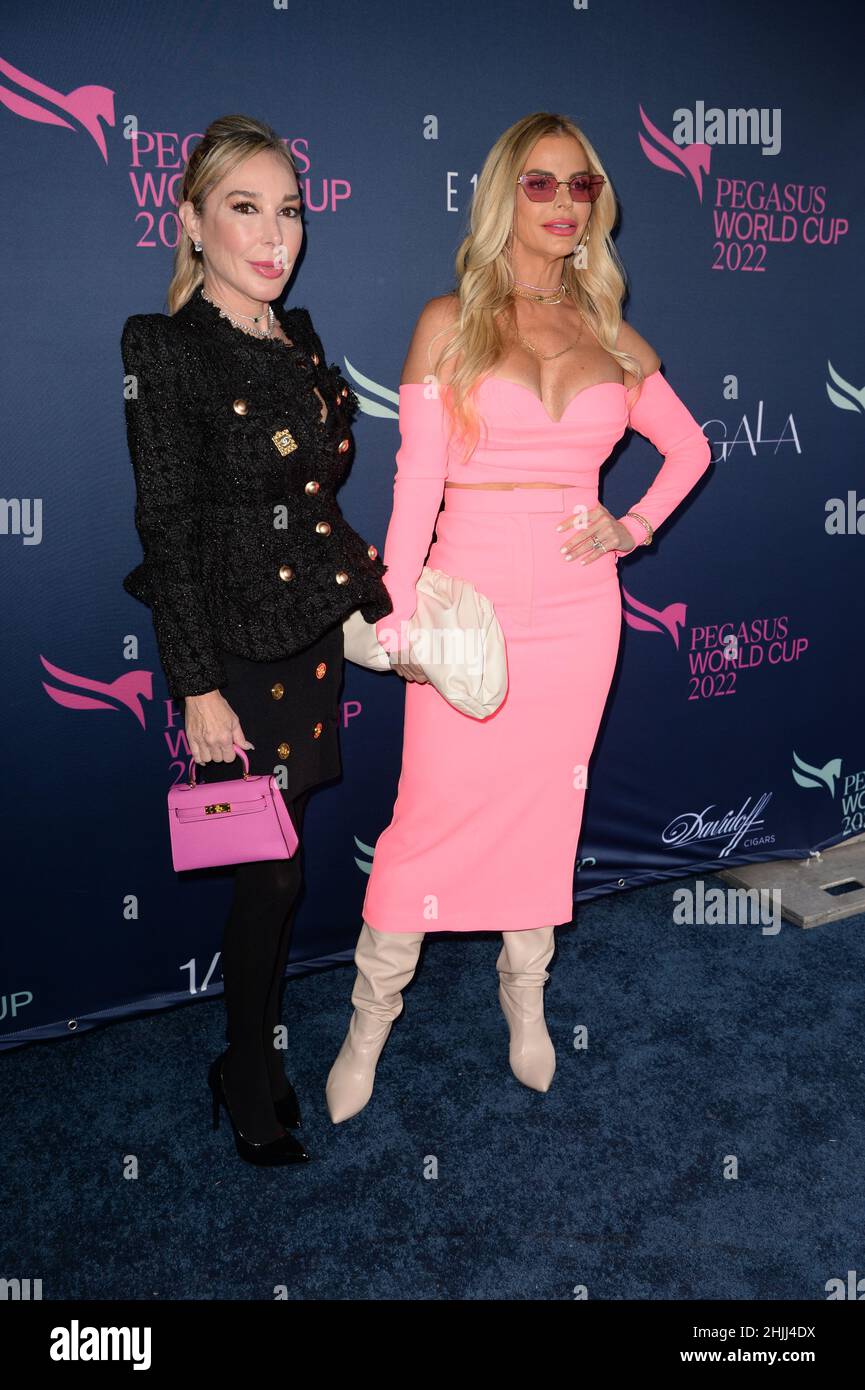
point(456, 1182)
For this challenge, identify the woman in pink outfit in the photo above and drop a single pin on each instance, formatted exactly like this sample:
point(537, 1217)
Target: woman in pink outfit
point(537, 380)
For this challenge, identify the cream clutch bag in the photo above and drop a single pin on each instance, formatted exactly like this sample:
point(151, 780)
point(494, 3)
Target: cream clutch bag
point(454, 636)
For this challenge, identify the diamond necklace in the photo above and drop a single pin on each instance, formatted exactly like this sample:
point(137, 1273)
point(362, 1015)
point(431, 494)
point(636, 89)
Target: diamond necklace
point(254, 318)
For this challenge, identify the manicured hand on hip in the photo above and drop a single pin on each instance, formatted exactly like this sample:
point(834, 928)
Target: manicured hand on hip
point(589, 524)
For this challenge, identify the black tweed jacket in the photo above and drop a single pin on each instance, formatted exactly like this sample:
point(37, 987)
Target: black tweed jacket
point(236, 477)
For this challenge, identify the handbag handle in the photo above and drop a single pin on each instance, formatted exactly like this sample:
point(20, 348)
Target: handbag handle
point(237, 748)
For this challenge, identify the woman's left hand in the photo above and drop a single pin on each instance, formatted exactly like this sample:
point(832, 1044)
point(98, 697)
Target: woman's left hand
point(597, 522)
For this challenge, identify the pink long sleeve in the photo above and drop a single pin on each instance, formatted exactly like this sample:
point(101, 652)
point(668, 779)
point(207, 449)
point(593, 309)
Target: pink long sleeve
point(667, 423)
point(417, 493)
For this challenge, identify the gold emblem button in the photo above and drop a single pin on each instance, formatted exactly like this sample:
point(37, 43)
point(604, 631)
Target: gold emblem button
point(284, 441)
point(315, 359)
point(371, 552)
point(286, 572)
point(240, 407)
point(341, 577)
point(316, 733)
point(277, 690)
point(323, 528)
point(312, 487)
point(283, 749)
point(321, 670)
point(343, 445)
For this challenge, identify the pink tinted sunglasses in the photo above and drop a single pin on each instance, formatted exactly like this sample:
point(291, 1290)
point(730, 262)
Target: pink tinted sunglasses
point(542, 188)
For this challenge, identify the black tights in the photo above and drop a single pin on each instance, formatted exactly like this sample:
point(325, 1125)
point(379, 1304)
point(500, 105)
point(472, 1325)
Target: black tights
point(255, 946)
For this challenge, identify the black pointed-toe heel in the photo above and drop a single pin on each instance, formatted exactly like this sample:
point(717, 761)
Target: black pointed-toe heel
point(287, 1109)
point(269, 1154)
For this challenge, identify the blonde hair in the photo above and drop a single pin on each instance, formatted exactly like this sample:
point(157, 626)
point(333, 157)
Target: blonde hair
point(485, 277)
point(227, 142)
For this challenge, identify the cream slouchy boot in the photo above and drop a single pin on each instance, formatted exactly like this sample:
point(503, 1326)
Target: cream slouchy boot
point(522, 975)
point(386, 962)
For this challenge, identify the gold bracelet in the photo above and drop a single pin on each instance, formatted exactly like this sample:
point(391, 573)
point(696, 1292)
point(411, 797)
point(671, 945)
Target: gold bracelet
point(650, 530)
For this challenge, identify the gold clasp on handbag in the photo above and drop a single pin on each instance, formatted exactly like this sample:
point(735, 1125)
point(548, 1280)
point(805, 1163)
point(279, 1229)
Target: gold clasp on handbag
point(216, 807)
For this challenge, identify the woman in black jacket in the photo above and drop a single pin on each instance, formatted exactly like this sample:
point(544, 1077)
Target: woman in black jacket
point(239, 434)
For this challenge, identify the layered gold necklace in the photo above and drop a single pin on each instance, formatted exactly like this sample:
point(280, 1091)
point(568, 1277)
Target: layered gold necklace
point(555, 298)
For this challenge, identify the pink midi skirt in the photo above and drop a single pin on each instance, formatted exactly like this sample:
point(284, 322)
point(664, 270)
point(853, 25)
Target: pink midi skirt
point(488, 813)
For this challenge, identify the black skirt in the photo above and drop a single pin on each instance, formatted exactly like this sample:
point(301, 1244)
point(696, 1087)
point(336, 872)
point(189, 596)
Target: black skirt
point(289, 708)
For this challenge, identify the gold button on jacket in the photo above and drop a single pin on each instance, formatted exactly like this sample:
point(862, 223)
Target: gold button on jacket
point(284, 441)
point(277, 690)
point(283, 749)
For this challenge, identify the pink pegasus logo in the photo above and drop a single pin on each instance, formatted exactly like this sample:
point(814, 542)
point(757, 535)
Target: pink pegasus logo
point(128, 690)
point(670, 619)
point(691, 159)
point(86, 105)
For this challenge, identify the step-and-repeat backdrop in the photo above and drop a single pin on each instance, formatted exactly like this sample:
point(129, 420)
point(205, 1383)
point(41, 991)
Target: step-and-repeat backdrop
point(734, 729)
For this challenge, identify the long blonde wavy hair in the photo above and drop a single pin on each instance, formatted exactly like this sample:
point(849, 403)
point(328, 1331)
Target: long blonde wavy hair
point(227, 142)
point(485, 278)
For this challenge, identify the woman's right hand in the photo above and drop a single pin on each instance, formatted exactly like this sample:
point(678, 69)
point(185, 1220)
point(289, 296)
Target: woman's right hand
point(212, 728)
point(402, 663)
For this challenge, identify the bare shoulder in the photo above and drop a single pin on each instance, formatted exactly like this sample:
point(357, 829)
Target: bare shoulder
point(436, 320)
point(629, 340)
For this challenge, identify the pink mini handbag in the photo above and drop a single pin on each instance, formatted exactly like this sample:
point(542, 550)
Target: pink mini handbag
point(229, 822)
